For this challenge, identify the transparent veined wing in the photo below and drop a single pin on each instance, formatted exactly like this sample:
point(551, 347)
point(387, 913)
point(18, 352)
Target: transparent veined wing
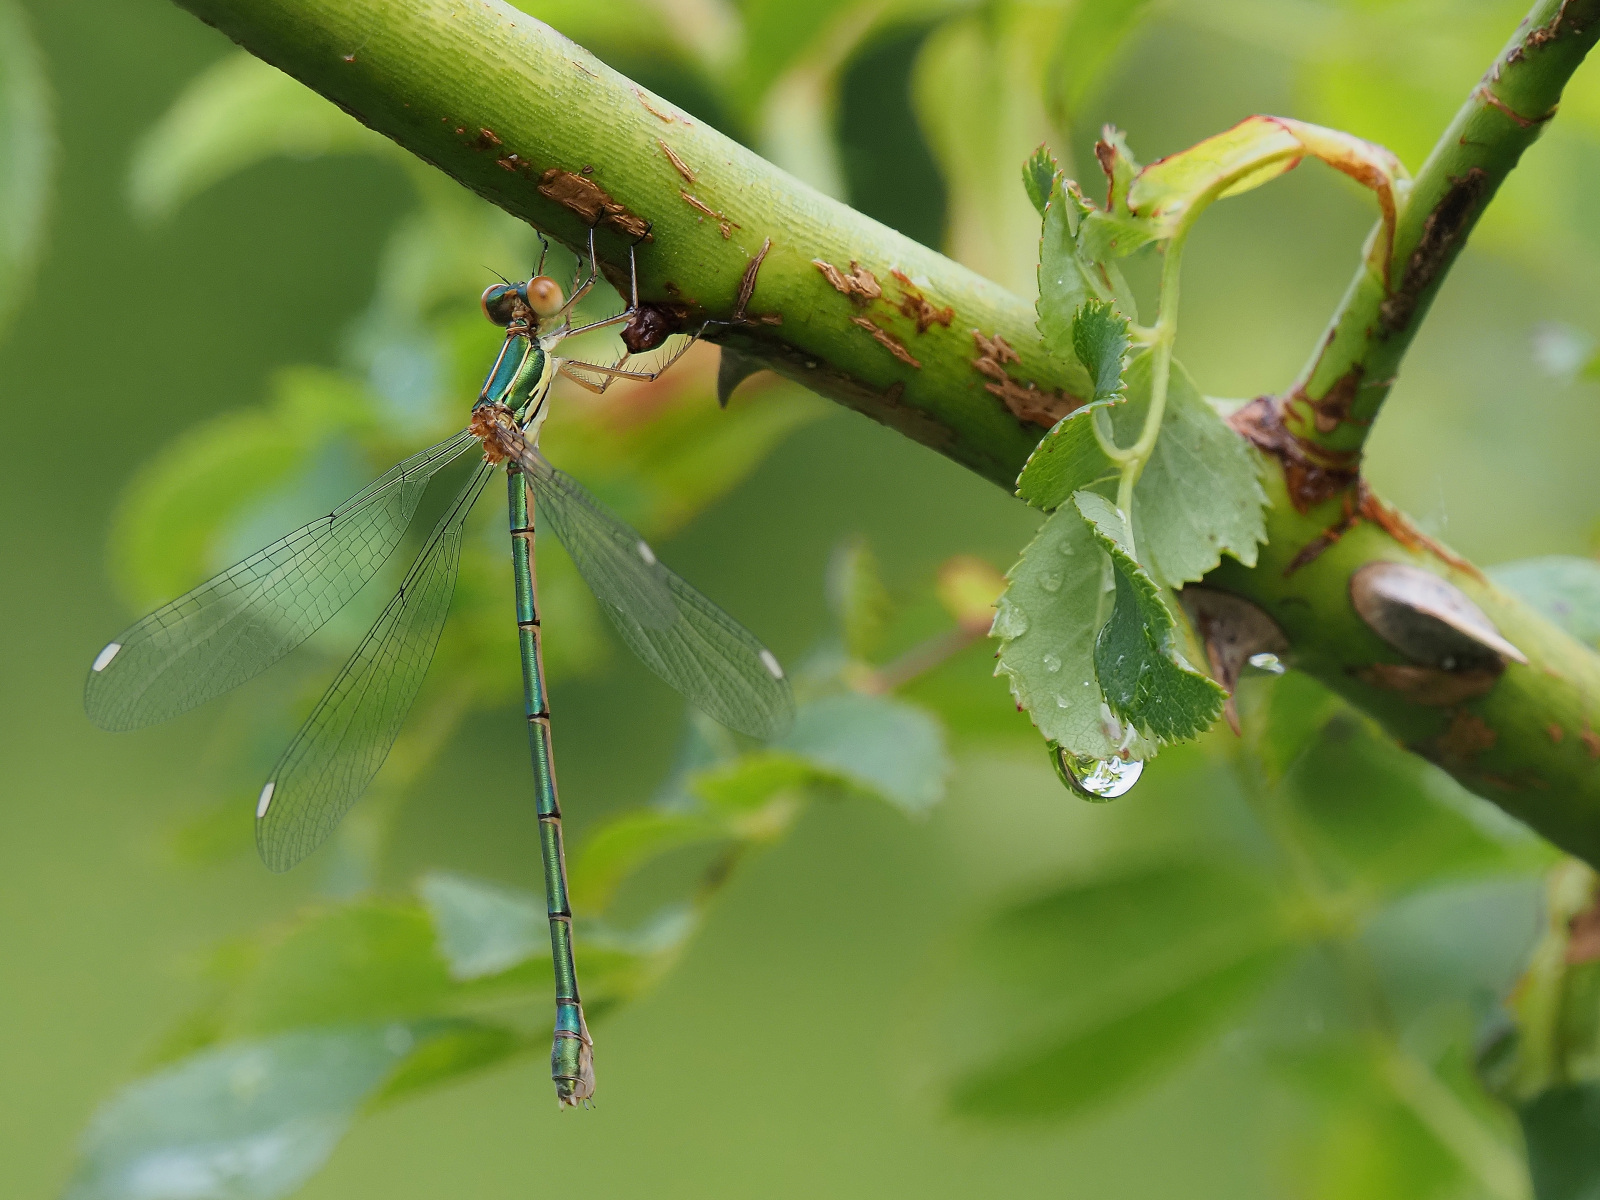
point(237, 624)
point(344, 741)
point(714, 661)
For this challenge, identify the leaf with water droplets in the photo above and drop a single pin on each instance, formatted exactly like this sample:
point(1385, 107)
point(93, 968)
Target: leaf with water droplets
point(1145, 680)
point(1046, 623)
point(27, 151)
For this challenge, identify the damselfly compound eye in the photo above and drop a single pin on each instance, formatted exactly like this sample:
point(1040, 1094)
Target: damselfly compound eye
point(500, 301)
point(544, 295)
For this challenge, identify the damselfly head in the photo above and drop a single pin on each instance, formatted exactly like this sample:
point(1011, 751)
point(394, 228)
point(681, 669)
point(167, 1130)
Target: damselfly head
point(503, 303)
point(543, 295)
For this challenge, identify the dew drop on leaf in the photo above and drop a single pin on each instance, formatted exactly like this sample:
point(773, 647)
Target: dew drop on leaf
point(1009, 620)
point(1050, 583)
point(1051, 663)
point(1095, 779)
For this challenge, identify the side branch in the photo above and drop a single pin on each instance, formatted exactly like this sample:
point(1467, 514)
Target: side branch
point(1333, 405)
point(869, 318)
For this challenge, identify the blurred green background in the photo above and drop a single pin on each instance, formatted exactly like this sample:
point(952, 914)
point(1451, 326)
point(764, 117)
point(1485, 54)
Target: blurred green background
point(804, 1043)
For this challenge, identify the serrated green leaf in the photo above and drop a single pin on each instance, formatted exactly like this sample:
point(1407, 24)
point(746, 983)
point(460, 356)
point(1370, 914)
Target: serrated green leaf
point(1565, 589)
point(1046, 623)
point(238, 113)
point(1136, 659)
point(249, 1121)
point(1067, 459)
point(876, 744)
point(1200, 495)
point(1100, 340)
point(1070, 275)
point(27, 154)
point(857, 597)
point(1062, 1079)
point(1063, 284)
point(1038, 177)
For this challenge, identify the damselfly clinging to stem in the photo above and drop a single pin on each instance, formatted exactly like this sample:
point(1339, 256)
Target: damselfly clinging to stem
point(240, 622)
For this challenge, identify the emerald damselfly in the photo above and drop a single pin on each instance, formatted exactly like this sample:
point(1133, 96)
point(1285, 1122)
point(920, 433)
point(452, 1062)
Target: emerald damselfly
point(236, 624)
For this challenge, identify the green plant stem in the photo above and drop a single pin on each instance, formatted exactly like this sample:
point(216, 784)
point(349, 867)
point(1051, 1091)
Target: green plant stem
point(1164, 334)
point(467, 84)
point(1357, 362)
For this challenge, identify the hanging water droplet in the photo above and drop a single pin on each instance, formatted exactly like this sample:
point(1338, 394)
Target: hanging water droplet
point(1051, 663)
point(1050, 583)
point(1270, 663)
point(1009, 620)
point(1095, 779)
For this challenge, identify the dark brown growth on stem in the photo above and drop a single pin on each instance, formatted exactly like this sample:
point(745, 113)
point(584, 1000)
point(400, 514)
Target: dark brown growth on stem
point(651, 325)
point(1442, 235)
point(860, 284)
point(1027, 402)
point(1547, 33)
point(914, 305)
point(1333, 410)
point(1466, 738)
point(1361, 505)
point(1486, 93)
point(1313, 474)
point(747, 283)
point(1430, 687)
point(677, 163)
point(591, 202)
point(700, 206)
point(1398, 526)
point(887, 340)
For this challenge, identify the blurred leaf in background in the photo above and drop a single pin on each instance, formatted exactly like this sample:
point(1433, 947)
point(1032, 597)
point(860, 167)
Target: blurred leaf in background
point(27, 154)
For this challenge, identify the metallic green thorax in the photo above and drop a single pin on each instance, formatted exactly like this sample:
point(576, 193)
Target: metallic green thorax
point(518, 377)
point(571, 1060)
